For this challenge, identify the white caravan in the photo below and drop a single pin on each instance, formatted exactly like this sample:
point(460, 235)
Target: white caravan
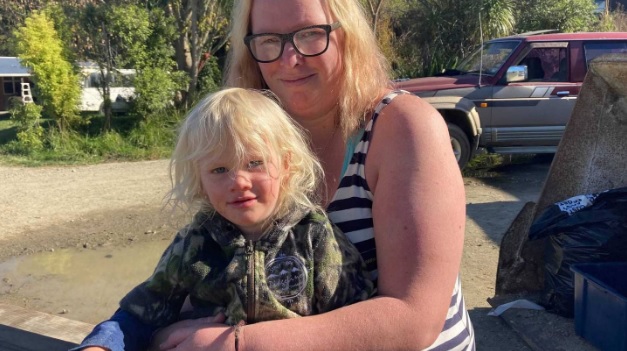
point(121, 89)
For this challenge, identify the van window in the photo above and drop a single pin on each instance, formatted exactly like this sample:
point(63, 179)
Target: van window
point(121, 90)
point(546, 64)
point(595, 49)
point(488, 59)
point(116, 80)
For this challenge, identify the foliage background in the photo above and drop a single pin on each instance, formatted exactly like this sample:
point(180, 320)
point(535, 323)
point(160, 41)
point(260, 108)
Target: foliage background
point(178, 49)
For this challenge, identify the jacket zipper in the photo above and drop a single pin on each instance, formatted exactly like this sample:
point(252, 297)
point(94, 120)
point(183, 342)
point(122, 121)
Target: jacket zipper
point(250, 257)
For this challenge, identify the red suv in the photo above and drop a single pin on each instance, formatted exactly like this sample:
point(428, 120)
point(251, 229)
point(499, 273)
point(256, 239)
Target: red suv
point(515, 94)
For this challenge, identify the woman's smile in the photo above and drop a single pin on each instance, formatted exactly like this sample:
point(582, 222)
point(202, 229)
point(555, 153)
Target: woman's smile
point(297, 80)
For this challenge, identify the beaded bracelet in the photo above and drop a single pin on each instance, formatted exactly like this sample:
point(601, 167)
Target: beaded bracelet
point(237, 330)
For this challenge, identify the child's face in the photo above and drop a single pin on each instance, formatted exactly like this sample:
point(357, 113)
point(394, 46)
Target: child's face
point(246, 196)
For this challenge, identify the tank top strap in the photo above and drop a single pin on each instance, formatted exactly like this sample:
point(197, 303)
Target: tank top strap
point(387, 99)
point(363, 134)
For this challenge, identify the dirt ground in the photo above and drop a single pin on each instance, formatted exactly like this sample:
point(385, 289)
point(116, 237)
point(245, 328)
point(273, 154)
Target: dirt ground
point(109, 208)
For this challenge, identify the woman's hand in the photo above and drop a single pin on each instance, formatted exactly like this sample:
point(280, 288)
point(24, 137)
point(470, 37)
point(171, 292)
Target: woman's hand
point(195, 334)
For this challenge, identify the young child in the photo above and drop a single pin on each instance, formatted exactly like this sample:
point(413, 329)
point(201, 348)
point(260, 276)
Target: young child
point(260, 248)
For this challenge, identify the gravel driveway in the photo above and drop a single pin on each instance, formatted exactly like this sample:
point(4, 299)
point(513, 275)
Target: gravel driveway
point(119, 205)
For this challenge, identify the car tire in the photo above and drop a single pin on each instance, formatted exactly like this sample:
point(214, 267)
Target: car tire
point(460, 144)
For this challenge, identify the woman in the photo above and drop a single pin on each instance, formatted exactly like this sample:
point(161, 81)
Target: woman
point(401, 186)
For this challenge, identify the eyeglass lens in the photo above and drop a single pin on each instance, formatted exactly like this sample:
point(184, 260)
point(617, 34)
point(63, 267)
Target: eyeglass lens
point(307, 42)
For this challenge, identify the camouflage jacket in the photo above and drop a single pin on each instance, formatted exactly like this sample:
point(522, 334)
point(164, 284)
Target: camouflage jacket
point(303, 265)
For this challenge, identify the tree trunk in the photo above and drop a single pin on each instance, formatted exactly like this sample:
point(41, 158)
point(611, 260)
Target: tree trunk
point(195, 49)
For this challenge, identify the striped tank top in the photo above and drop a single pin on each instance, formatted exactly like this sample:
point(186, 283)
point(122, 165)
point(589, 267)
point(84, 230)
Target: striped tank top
point(351, 210)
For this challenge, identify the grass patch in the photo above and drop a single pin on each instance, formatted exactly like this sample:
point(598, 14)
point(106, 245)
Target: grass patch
point(484, 161)
point(130, 139)
point(486, 164)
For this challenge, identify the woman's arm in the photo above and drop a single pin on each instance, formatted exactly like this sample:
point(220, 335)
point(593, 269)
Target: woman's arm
point(419, 218)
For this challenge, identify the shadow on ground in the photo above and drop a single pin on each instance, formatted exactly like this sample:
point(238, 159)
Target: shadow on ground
point(512, 185)
point(494, 333)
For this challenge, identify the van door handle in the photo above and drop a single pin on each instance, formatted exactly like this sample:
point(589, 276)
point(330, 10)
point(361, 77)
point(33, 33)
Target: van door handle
point(562, 93)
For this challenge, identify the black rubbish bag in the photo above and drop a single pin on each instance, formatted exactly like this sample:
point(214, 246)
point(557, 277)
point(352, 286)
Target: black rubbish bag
point(586, 228)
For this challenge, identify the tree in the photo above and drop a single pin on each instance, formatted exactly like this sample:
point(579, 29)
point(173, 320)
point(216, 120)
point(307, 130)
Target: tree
point(13, 13)
point(435, 34)
point(131, 36)
point(562, 15)
point(374, 8)
point(41, 50)
point(497, 18)
point(97, 46)
point(114, 37)
point(614, 21)
point(157, 80)
point(380, 13)
point(143, 39)
point(202, 28)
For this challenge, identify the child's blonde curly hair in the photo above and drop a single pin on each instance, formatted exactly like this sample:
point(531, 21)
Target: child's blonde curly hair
point(243, 122)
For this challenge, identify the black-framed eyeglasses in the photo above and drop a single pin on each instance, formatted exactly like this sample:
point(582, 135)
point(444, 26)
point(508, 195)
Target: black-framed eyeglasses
point(309, 41)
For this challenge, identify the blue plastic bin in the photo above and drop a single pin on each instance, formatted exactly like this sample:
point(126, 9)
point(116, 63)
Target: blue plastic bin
point(601, 304)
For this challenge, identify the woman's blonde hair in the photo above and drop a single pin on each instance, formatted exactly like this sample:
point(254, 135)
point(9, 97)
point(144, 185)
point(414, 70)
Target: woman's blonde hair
point(241, 122)
point(366, 71)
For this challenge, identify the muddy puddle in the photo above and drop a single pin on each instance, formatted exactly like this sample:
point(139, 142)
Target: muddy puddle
point(84, 285)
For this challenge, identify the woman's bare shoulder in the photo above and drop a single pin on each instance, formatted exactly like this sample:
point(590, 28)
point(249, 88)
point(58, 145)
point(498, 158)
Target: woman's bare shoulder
point(416, 134)
point(412, 108)
point(409, 119)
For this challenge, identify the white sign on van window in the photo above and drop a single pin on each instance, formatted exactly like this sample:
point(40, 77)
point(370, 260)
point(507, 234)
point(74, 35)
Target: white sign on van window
point(576, 203)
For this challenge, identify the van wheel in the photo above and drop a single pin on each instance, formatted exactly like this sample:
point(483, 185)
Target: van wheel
point(460, 144)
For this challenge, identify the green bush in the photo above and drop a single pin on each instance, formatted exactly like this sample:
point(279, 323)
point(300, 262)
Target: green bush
point(209, 77)
point(157, 132)
point(155, 90)
point(127, 141)
point(29, 131)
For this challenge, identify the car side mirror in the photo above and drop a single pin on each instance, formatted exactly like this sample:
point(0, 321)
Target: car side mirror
point(516, 74)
